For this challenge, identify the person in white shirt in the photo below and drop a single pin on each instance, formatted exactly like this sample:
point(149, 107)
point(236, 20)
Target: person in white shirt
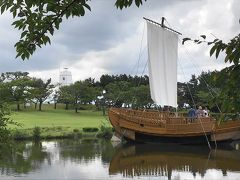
point(206, 112)
point(200, 112)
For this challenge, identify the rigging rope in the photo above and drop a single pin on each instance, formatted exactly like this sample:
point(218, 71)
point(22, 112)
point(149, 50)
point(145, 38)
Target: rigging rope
point(194, 104)
point(209, 146)
point(141, 50)
point(143, 72)
point(210, 89)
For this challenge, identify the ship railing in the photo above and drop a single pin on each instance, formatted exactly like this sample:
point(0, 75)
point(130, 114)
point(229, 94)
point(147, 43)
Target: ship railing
point(162, 119)
point(198, 125)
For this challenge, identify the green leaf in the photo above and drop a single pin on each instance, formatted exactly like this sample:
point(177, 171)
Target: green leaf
point(81, 10)
point(3, 8)
point(218, 49)
point(24, 33)
point(203, 36)
point(185, 39)
point(215, 40)
point(138, 2)
point(21, 14)
point(226, 59)
point(87, 6)
point(213, 50)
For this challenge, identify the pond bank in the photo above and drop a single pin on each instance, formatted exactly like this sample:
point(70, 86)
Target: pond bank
point(59, 132)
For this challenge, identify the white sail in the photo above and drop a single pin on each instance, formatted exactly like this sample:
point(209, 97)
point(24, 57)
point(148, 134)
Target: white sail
point(162, 64)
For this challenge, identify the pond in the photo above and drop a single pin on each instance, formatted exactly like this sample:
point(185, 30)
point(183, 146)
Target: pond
point(99, 159)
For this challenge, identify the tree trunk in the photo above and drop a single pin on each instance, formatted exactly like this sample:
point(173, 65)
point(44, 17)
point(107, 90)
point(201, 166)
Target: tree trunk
point(55, 105)
point(103, 109)
point(76, 107)
point(40, 106)
point(18, 107)
point(35, 105)
point(66, 107)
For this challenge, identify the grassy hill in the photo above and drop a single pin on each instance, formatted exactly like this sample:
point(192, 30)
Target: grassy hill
point(55, 122)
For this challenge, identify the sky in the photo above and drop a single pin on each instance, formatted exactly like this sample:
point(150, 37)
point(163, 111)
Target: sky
point(112, 41)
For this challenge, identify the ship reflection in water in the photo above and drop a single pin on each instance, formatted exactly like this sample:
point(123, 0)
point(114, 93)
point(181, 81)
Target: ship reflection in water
point(98, 159)
point(174, 161)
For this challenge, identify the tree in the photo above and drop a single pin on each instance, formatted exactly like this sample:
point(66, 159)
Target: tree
point(55, 98)
point(5, 135)
point(16, 87)
point(106, 79)
point(142, 97)
point(217, 89)
point(228, 82)
point(65, 96)
point(191, 92)
point(181, 94)
point(41, 90)
point(39, 19)
point(81, 92)
point(19, 90)
point(10, 76)
point(117, 93)
point(5, 94)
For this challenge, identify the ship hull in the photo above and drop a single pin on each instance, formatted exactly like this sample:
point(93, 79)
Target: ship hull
point(158, 127)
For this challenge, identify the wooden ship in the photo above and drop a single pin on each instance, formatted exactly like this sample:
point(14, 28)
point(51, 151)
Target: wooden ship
point(156, 126)
point(165, 126)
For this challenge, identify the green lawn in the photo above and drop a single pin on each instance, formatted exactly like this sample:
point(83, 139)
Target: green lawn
point(56, 122)
point(64, 118)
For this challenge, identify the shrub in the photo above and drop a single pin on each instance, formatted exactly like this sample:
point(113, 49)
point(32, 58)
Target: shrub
point(76, 134)
point(36, 133)
point(76, 130)
point(90, 129)
point(105, 132)
point(5, 134)
point(20, 135)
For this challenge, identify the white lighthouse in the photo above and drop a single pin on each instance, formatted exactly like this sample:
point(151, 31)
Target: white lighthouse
point(65, 77)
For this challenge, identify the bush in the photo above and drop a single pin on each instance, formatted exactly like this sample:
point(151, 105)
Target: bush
point(105, 132)
point(20, 135)
point(36, 133)
point(76, 130)
point(5, 134)
point(90, 129)
point(76, 134)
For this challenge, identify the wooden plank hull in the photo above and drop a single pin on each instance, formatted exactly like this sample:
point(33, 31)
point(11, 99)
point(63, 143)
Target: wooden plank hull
point(227, 131)
point(154, 126)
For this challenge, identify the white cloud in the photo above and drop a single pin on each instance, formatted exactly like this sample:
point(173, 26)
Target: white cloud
point(108, 40)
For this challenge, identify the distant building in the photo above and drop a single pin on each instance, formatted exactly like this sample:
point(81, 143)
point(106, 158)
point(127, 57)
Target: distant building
point(65, 77)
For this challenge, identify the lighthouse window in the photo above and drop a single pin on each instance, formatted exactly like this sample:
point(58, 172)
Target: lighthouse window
point(64, 78)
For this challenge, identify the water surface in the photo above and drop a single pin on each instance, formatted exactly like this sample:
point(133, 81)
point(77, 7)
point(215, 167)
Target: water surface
point(98, 159)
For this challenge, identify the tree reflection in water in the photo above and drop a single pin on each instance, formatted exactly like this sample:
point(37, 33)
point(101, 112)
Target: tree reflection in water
point(98, 159)
point(86, 150)
point(22, 158)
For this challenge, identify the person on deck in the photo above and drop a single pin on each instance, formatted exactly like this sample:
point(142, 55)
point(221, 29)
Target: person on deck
point(206, 112)
point(200, 112)
point(192, 114)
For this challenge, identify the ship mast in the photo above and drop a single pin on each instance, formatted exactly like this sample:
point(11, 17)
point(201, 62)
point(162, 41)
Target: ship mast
point(162, 25)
